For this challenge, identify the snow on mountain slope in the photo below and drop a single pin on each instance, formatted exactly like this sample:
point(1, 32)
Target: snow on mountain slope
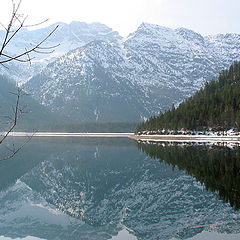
point(90, 84)
point(134, 78)
point(181, 56)
point(68, 36)
point(225, 46)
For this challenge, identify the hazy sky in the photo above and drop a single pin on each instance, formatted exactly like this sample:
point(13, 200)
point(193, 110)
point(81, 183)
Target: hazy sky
point(124, 16)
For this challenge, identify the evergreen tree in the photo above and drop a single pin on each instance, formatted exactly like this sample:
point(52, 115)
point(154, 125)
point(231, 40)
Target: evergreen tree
point(216, 106)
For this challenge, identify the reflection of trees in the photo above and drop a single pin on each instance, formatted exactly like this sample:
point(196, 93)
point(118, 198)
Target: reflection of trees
point(100, 185)
point(218, 168)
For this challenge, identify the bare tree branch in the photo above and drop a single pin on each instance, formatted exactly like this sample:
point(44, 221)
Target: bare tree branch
point(15, 24)
point(33, 49)
point(14, 151)
point(16, 116)
point(12, 30)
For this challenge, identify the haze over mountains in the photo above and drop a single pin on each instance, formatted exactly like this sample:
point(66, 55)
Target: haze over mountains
point(103, 77)
point(69, 36)
point(31, 113)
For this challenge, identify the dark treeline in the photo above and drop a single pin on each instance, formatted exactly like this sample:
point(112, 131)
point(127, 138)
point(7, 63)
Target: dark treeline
point(79, 127)
point(217, 167)
point(39, 118)
point(215, 106)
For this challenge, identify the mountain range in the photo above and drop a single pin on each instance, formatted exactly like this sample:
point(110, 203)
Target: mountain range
point(67, 36)
point(96, 75)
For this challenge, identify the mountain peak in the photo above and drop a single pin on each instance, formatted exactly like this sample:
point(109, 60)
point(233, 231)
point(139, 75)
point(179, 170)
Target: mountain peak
point(189, 34)
point(130, 80)
point(69, 36)
point(93, 25)
point(153, 28)
point(152, 31)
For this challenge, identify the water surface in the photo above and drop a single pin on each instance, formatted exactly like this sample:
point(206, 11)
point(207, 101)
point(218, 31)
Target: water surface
point(80, 188)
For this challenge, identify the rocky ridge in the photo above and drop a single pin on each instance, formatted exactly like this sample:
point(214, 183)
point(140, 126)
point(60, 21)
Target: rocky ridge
point(67, 36)
point(131, 79)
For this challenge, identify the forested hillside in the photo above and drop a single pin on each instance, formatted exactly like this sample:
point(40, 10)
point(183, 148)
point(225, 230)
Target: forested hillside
point(39, 118)
point(33, 114)
point(216, 107)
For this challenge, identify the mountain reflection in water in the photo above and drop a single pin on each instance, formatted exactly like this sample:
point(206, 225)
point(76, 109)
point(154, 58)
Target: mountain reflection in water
point(218, 168)
point(70, 188)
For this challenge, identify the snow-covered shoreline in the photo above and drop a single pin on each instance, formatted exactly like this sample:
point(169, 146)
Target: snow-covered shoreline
point(230, 137)
point(210, 132)
point(187, 137)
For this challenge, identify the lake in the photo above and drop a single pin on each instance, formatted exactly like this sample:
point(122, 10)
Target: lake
point(99, 188)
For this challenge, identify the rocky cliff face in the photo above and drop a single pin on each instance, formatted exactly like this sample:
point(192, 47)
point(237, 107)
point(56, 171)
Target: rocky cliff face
point(133, 78)
point(106, 78)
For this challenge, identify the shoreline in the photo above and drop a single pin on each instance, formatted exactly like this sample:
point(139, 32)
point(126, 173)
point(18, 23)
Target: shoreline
point(186, 138)
point(159, 138)
point(65, 134)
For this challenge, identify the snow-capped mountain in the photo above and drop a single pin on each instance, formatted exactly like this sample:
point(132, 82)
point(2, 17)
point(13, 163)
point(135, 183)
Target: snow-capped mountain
point(67, 36)
point(91, 83)
point(133, 78)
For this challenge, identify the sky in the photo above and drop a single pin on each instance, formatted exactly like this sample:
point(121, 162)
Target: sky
point(203, 16)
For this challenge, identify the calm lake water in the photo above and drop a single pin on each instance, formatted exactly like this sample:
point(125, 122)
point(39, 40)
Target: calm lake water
point(80, 188)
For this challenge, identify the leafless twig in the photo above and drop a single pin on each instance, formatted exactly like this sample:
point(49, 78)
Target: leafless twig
point(14, 151)
point(16, 23)
point(17, 110)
